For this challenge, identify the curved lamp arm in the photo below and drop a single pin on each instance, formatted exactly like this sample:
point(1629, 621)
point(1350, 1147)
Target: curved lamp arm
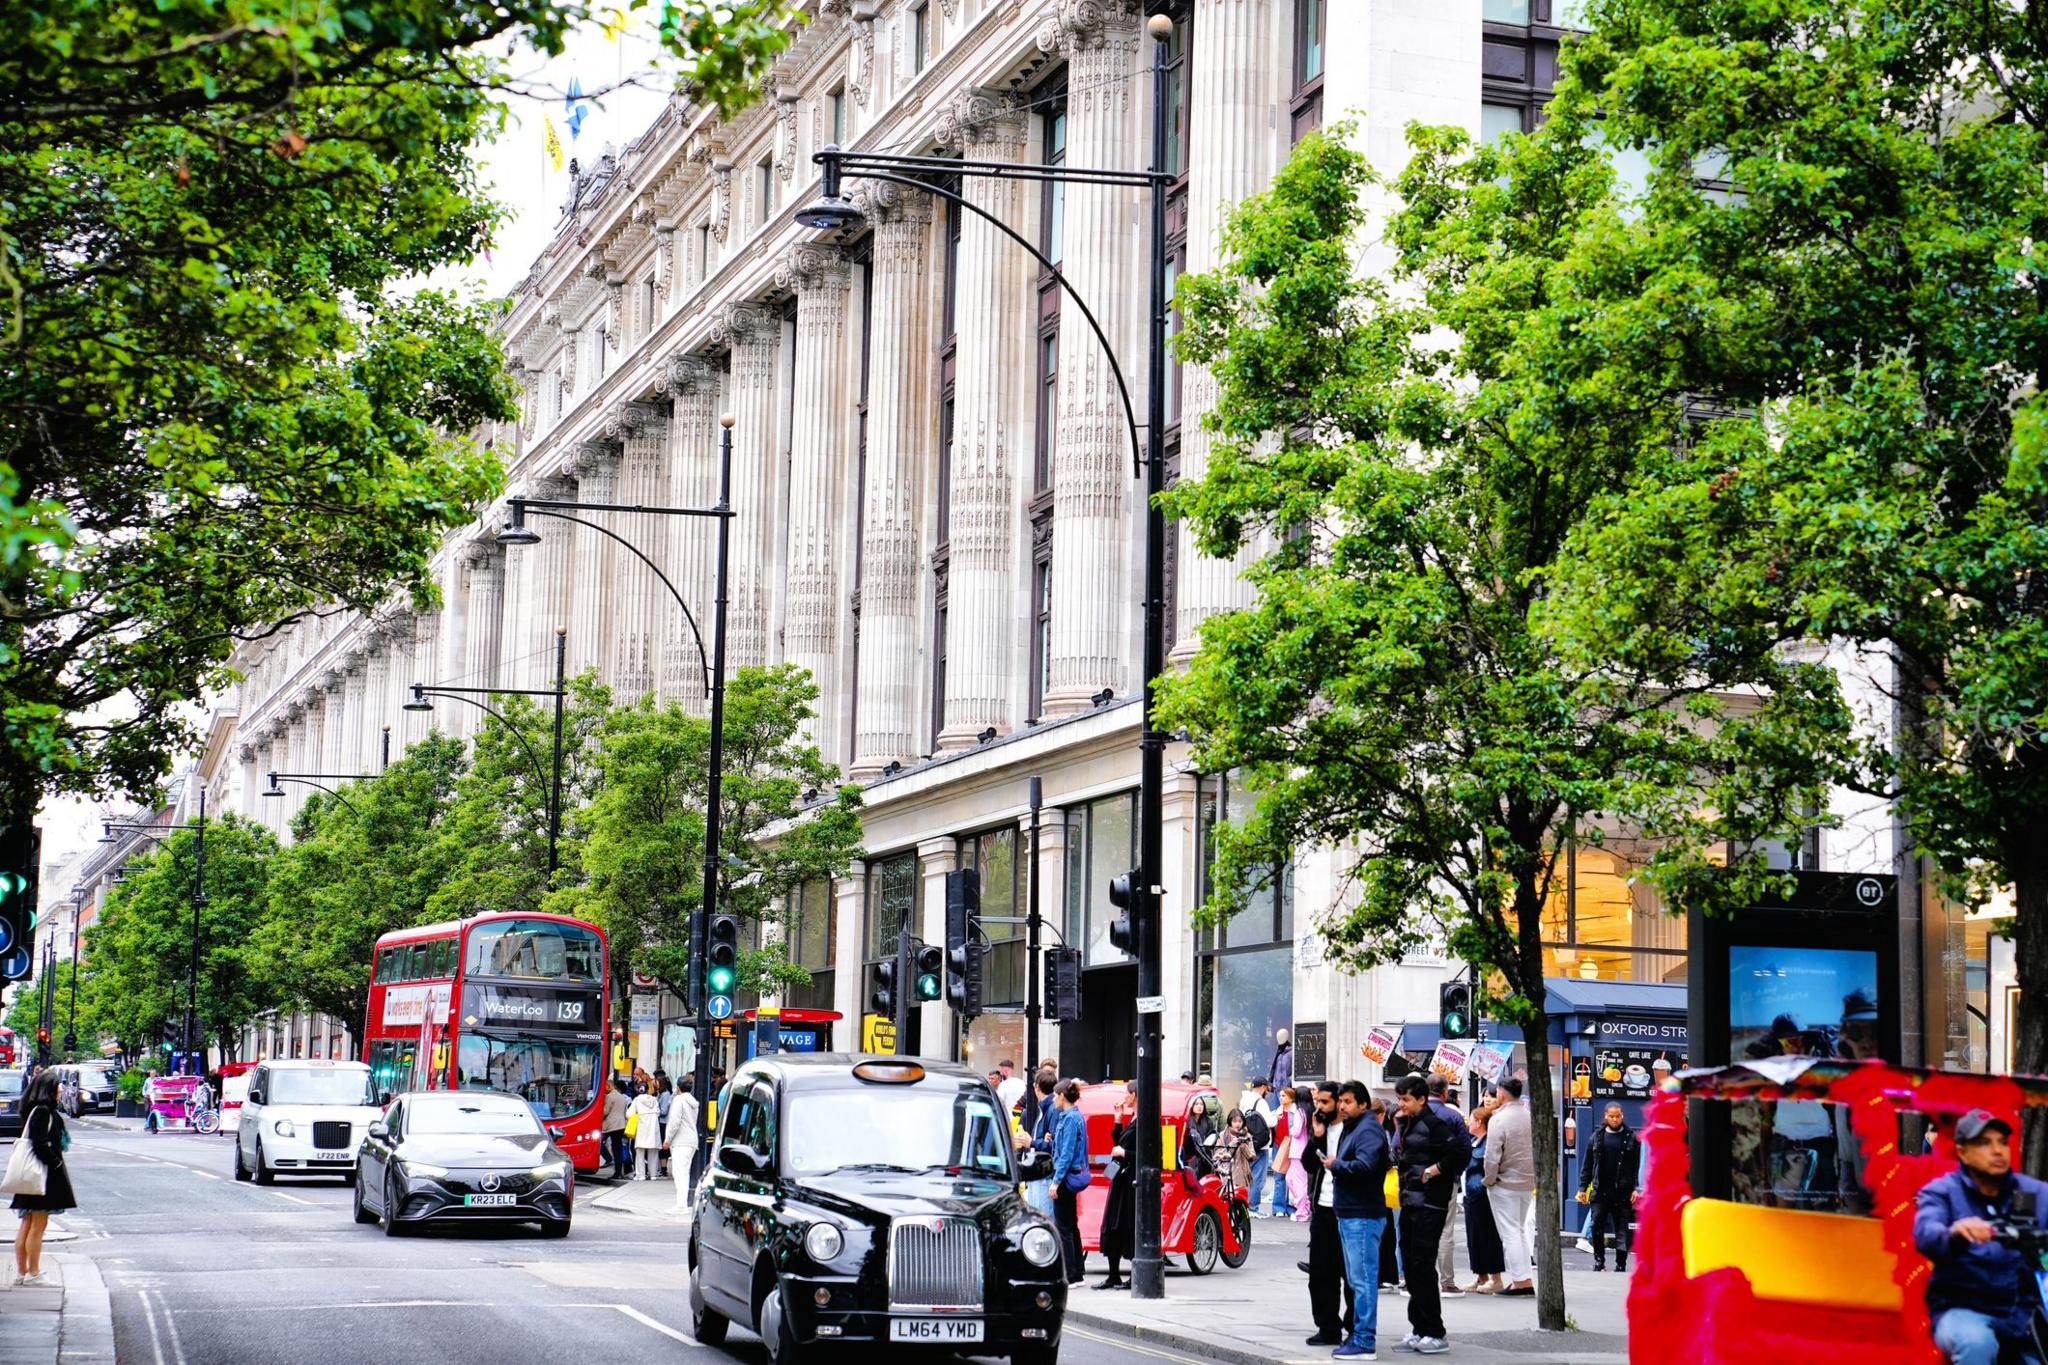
point(539, 771)
point(529, 509)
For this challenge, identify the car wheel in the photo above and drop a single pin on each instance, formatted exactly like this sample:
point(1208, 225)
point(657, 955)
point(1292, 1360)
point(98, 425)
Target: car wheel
point(241, 1167)
point(363, 1214)
point(775, 1332)
point(264, 1175)
point(1208, 1246)
point(555, 1228)
point(707, 1324)
point(389, 1215)
point(1241, 1224)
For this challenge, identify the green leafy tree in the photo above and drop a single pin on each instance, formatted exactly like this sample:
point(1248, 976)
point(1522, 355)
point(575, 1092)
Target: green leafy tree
point(25, 1015)
point(219, 407)
point(1866, 306)
point(642, 836)
point(139, 953)
point(1406, 462)
point(362, 866)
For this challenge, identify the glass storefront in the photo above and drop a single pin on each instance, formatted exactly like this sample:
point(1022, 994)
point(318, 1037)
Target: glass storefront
point(1603, 922)
point(1101, 844)
point(1244, 968)
point(809, 928)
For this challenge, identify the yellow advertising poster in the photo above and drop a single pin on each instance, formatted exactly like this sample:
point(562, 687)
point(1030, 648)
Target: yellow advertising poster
point(877, 1033)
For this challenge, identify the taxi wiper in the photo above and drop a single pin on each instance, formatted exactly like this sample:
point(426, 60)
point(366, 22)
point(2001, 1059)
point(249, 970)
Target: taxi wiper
point(883, 1166)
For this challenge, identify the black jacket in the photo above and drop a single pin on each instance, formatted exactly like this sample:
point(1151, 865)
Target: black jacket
point(1433, 1136)
point(1359, 1166)
point(1631, 1162)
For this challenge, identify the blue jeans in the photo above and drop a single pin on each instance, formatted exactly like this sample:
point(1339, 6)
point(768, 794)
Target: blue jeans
point(1261, 1164)
point(1966, 1337)
point(1282, 1207)
point(1360, 1238)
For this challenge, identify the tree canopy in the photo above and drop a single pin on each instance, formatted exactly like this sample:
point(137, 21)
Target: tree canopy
point(1406, 458)
point(221, 404)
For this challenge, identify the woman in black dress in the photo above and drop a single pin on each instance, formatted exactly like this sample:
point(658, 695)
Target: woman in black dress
point(1482, 1238)
point(1119, 1228)
point(43, 1129)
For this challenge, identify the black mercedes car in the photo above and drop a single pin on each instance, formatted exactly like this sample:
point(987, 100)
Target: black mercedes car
point(462, 1156)
point(871, 1200)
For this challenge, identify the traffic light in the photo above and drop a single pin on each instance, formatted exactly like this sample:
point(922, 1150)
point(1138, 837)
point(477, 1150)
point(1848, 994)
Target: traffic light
point(1063, 984)
point(930, 963)
point(20, 855)
point(43, 1036)
point(1123, 930)
point(1454, 1009)
point(721, 964)
point(963, 954)
point(883, 1001)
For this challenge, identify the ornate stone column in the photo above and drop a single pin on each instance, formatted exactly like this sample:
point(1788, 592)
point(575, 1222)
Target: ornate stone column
point(991, 434)
point(286, 735)
point(446, 662)
point(1092, 471)
point(1237, 66)
point(640, 600)
point(484, 578)
point(332, 755)
point(355, 687)
point(690, 559)
point(753, 339)
point(377, 709)
point(898, 417)
point(545, 570)
point(252, 808)
point(817, 474)
point(597, 480)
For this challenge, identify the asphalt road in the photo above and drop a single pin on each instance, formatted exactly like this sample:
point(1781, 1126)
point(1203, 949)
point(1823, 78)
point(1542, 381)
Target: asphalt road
point(204, 1271)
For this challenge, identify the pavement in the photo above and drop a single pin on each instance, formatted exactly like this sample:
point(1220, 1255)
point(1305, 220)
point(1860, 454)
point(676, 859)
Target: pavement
point(1259, 1314)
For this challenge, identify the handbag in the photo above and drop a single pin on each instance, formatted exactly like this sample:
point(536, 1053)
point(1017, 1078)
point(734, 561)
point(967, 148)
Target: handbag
point(26, 1173)
point(632, 1123)
point(1077, 1180)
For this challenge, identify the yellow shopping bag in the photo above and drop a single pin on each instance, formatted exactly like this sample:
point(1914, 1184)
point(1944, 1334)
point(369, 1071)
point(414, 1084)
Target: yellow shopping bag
point(632, 1125)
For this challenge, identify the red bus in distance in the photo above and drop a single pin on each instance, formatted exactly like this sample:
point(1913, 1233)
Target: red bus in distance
point(506, 1001)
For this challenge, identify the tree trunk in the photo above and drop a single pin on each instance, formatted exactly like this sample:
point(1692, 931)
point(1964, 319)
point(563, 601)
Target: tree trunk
point(1543, 1129)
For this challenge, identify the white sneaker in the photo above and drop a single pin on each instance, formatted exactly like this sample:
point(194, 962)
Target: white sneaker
point(1432, 1346)
point(31, 1281)
point(1408, 1343)
point(1585, 1246)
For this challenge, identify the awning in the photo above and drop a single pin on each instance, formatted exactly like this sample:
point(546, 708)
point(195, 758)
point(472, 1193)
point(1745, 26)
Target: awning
point(1564, 997)
point(1424, 1035)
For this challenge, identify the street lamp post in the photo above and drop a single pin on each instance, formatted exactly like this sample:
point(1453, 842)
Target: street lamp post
point(198, 903)
point(926, 174)
point(317, 781)
point(517, 532)
point(419, 702)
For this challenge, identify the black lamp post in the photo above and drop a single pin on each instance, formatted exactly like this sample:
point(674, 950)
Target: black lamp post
point(317, 781)
point(419, 702)
point(517, 532)
point(926, 173)
point(152, 832)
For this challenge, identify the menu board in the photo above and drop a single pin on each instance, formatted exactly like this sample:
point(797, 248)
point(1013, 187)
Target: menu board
point(1627, 1072)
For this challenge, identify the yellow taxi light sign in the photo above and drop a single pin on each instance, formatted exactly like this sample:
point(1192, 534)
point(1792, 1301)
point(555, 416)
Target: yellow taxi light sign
point(888, 1073)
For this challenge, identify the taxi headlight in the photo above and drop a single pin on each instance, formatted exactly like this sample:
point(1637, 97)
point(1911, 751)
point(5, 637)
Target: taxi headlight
point(1039, 1246)
point(553, 1170)
point(284, 1128)
point(822, 1242)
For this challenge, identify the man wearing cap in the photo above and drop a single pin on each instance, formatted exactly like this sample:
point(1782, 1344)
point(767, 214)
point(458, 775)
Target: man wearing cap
point(1981, 1295)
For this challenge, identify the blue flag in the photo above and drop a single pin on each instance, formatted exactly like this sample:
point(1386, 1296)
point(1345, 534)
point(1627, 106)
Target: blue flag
point(577, 112)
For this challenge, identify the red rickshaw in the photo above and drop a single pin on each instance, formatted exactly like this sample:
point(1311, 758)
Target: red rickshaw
point(1201, 1216)
point(1726, 1282)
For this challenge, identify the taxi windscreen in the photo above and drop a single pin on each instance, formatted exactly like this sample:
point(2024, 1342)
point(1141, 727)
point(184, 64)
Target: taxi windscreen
point(895, 1128)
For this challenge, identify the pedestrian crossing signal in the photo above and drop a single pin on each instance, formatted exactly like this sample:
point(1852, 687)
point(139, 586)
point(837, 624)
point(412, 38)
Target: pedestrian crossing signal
point(1454, 1013)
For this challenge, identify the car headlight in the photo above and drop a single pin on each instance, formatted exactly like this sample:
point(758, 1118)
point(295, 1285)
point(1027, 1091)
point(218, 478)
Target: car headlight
point(822, 1242)
point(1039, 1246)
point(553, 1170)
point(432, 1172)
point(284, 1128)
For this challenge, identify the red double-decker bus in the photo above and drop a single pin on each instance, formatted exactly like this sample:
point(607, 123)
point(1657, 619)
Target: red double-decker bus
point(508, 1001)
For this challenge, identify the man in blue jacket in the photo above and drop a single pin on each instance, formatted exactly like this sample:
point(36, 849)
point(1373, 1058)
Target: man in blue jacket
point(1982, 1294)
point(1352, 1159)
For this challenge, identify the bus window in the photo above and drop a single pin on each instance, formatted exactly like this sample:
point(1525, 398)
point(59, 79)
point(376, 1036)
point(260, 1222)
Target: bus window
point(391, 1065)
point(444, 958)
point(535, 950)
point(384, 966)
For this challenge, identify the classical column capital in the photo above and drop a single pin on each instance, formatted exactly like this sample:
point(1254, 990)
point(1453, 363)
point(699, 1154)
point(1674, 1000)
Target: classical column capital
point(880, 201)
point(687, 374)
point(813, 266)
point(247, 753)
point(741, 323)
point(592, 456)
point(981, 119)
point(1077, 25)
point(480, 556)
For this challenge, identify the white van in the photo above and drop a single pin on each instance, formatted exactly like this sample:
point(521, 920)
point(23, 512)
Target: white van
point(304, 1118)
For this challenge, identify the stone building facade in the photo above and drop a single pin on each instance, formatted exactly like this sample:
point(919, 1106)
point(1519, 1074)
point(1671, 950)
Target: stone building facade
point(937, 509)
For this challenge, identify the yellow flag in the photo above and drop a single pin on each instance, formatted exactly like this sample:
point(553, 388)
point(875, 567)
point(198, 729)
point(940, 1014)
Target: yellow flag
point(616, 25)
point(551, 141)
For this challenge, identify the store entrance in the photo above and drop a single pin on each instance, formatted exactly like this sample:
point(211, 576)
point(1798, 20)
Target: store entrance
point(1104, 1045)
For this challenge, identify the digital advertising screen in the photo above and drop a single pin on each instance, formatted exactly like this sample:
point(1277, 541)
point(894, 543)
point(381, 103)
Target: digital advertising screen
point(1801, 1001)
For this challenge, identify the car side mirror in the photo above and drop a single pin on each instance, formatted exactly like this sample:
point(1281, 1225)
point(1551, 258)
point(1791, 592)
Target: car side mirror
point(741, 1160)
point(1033, 1164)
point(377, 1129)
point(383, 1097)
point(255, 1097)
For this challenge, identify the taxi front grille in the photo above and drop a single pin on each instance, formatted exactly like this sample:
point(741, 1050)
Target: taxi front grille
point(934, 1263)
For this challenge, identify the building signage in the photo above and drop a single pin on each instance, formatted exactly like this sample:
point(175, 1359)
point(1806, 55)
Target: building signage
point(1311, 1051)
point(877, 1033)
point(536, 1007)
point(1379, 1044)
point(1643, 1032)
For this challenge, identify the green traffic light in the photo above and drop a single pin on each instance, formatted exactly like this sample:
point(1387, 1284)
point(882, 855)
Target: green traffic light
point(720, 980)
point(928, 987)
point(1454, 1023)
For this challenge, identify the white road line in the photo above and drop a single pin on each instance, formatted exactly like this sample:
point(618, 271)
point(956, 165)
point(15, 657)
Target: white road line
point(1126, 1344)
point(641, 1318)
point(171, 1326)
point(309, 1203)
point(155, 1336)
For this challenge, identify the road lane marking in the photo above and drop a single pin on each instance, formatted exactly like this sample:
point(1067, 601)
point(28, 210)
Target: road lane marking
point(171, 1326)
point(309, 1203)
point(1127, 1344)
point(641, 1318)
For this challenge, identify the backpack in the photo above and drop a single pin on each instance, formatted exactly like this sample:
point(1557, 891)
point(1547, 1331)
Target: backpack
point(1261, 1131)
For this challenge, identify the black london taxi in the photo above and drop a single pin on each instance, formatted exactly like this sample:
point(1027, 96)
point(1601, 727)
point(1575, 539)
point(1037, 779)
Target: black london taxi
point(872, 1200)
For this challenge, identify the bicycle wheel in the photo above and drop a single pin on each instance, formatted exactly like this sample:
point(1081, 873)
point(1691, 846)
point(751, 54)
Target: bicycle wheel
point(206, 1121)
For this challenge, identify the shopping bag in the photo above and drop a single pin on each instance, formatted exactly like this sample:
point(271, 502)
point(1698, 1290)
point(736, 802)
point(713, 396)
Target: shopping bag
point(25, 1171)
